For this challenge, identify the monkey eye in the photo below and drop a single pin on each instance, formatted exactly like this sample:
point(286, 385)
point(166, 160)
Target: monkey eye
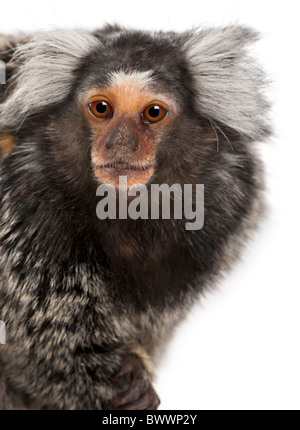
point(100, 109)
point(154, 113)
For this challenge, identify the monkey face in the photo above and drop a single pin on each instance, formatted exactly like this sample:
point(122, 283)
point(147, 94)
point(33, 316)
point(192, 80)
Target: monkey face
point(127, 119)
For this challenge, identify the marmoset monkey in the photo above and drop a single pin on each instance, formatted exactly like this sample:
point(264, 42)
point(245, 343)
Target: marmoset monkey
point(89, 303)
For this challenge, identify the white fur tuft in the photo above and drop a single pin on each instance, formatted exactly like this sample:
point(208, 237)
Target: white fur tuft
point(229, 83)
point(130, 78)
point(46, 61)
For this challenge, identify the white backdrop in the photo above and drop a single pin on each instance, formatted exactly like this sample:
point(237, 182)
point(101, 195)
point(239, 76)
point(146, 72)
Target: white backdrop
point(240, 347)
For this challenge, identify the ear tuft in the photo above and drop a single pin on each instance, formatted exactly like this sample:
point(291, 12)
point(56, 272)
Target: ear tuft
point(229, 83)
point(44, 76)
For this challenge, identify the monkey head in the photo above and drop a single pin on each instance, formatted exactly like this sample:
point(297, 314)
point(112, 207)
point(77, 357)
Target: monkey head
point(155, 107)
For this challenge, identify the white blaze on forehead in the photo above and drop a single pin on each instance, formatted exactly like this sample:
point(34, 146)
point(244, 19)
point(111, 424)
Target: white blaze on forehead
point(131, 78)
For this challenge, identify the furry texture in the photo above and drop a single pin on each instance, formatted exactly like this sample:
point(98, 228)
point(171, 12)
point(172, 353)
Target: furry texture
point(134, 77)
point(44, 76)
point(229, 82)
point(78, 295)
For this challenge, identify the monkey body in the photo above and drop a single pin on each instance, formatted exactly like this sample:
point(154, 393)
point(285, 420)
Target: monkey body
point(89, 304)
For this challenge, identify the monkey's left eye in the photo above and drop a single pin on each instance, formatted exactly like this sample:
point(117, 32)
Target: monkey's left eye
point(154, 113)
point(100, 109)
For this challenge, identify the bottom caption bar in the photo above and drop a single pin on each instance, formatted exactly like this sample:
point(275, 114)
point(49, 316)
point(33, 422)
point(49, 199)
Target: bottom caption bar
point(133, 419)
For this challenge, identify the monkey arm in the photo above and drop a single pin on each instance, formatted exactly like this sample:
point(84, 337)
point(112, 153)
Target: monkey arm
point(64, 362)
point(89, 377)
point(76, 356)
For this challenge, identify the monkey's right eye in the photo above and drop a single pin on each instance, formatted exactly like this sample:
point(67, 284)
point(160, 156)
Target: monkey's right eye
point(100, 109)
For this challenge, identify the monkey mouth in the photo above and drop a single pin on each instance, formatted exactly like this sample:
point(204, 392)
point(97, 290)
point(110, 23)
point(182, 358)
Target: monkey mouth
point(110, 173)
point(123, 166)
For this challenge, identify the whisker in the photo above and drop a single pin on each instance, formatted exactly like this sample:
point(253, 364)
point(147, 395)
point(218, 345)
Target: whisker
point(217, 136)
point(224, 136)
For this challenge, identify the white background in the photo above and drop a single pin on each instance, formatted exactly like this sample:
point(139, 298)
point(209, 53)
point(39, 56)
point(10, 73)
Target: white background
point(240, 347)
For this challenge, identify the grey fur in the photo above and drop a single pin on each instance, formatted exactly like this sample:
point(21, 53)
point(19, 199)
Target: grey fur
point(43, 78)
point(230, 84)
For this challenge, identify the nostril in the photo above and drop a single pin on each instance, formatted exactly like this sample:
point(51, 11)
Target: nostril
point(107, 146)
point(136, 147)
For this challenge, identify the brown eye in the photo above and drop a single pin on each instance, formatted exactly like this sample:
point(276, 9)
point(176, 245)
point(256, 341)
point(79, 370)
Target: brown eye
point(154, 113)
point(100, 108)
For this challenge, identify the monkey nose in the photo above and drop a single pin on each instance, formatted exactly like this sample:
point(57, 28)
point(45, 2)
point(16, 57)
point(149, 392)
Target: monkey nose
point(135, 146)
